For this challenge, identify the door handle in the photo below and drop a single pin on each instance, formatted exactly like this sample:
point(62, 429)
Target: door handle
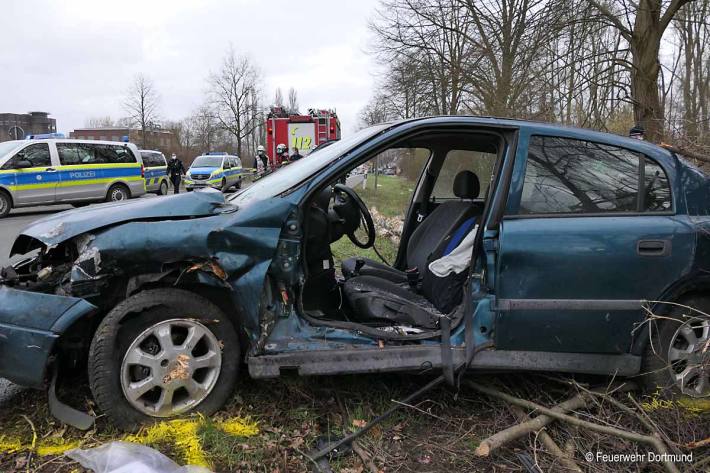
point(50, 170)
point(653, 247)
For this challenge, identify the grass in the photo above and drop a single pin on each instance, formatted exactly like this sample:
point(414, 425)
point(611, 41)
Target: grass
point(391, 198)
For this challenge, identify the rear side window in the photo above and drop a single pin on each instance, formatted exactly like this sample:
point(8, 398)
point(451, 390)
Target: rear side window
point(36, 154)
point(76, 154)
point(480, 163)
point(566, 176)
point(152, 160)
point(114, 154)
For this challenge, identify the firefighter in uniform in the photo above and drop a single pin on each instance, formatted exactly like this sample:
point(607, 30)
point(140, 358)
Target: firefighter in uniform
point(261, 154)
point(175, 171)
point(282, 154)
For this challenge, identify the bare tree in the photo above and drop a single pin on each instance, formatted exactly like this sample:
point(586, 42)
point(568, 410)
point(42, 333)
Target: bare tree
point(204, 129)
point(642, 25)
point(100, 122)
point(142, 105)
point(232, 92)
point(278, 98)
point(292, 101)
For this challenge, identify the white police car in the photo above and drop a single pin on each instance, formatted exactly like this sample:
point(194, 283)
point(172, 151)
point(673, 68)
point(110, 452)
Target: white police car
point(217, 169)
point(67, 171)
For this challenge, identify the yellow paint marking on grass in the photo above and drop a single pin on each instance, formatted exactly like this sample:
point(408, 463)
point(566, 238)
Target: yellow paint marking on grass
point(57, 449)
point(182, 434)
point(239, 427)
point(10, 445)
point(694, 405)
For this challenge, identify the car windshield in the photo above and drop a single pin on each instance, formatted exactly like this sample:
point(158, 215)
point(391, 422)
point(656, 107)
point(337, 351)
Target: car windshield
point(8, 146)
point(287, 177)
point(207, 162)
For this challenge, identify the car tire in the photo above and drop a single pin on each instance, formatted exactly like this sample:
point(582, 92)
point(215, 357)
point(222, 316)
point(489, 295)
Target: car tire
point(238, 185)
point(675, 348)
point(121, 336)
point(224, 186)
point(118, 193)
point(5, 204)
point(163, 189)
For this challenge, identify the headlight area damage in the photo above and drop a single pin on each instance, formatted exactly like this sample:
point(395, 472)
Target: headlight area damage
point(91, 259)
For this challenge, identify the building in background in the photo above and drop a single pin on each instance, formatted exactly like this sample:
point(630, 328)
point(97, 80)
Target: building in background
point(15, 126)
point(160, 140)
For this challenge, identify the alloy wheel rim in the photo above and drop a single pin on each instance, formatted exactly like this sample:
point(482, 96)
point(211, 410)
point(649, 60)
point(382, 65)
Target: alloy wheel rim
point(689, 357)
point(4, 204)
point(118, 195)
point(171, 367)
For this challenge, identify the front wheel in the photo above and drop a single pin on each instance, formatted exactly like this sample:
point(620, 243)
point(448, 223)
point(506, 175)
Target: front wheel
point(677, 358)
point(224, 186)
point(5, 204)
point(160, 354)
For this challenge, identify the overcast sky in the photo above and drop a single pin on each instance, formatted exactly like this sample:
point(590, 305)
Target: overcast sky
point(76, 59)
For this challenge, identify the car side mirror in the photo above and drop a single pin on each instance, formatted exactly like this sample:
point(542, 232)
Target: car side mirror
point(23, 164)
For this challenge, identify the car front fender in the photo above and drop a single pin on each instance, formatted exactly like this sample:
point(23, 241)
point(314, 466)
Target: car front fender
point(30, 324)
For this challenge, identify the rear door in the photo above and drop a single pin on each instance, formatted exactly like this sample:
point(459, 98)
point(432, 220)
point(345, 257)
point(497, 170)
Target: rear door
point(80, 174)
point(37, 184)
point(580, 246)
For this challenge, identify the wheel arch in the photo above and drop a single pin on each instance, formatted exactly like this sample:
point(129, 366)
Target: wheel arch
point(696, 286)
point(4, 189)
point(121, 182)
point(204, 285)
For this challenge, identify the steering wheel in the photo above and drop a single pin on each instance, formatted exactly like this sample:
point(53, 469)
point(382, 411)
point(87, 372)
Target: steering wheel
point(352, 196)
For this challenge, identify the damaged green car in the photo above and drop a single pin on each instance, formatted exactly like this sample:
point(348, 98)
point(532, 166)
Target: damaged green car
point(524, 246)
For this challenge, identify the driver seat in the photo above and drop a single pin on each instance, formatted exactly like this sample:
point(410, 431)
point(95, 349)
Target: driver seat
point(434, 232)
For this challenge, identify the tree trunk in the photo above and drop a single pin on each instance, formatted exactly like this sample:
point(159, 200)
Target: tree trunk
point(645, 46)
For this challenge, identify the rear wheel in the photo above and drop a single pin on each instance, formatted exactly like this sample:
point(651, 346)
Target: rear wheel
point(163, 189)
point(5, 204)
point(677, 358)
point(160, 354)
point(117, 193)
point(239, 184)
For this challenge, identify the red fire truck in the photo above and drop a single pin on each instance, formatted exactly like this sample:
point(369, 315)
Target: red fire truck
point(304, 132)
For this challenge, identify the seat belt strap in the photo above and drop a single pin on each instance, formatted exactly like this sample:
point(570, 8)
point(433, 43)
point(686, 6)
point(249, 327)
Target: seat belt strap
point(447, 361)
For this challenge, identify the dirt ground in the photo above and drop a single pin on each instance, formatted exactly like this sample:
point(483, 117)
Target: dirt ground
point(269, 426)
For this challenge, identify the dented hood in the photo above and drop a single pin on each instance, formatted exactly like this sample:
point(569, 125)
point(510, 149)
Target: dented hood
point(65, 225)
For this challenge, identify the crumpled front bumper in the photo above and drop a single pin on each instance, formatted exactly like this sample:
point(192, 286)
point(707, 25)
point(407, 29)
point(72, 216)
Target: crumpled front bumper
point(30, 324)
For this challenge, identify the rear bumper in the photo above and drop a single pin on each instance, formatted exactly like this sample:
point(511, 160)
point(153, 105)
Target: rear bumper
point(137, 188)
point(30, 324)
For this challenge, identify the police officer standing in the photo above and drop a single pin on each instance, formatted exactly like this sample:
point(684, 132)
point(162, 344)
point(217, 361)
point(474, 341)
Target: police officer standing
point(175, 171)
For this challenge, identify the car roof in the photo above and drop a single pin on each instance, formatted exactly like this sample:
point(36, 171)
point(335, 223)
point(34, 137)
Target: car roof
point(543, 128)
point(72, 140)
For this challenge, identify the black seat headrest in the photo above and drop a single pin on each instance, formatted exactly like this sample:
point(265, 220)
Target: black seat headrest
point(466, 185)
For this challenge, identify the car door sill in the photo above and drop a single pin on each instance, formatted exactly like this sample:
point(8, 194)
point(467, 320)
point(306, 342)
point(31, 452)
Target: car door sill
point(418, 358)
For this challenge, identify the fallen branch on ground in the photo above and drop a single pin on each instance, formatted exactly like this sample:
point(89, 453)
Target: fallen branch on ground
point(652, 440)
point(549, 444)
point(503, 437)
